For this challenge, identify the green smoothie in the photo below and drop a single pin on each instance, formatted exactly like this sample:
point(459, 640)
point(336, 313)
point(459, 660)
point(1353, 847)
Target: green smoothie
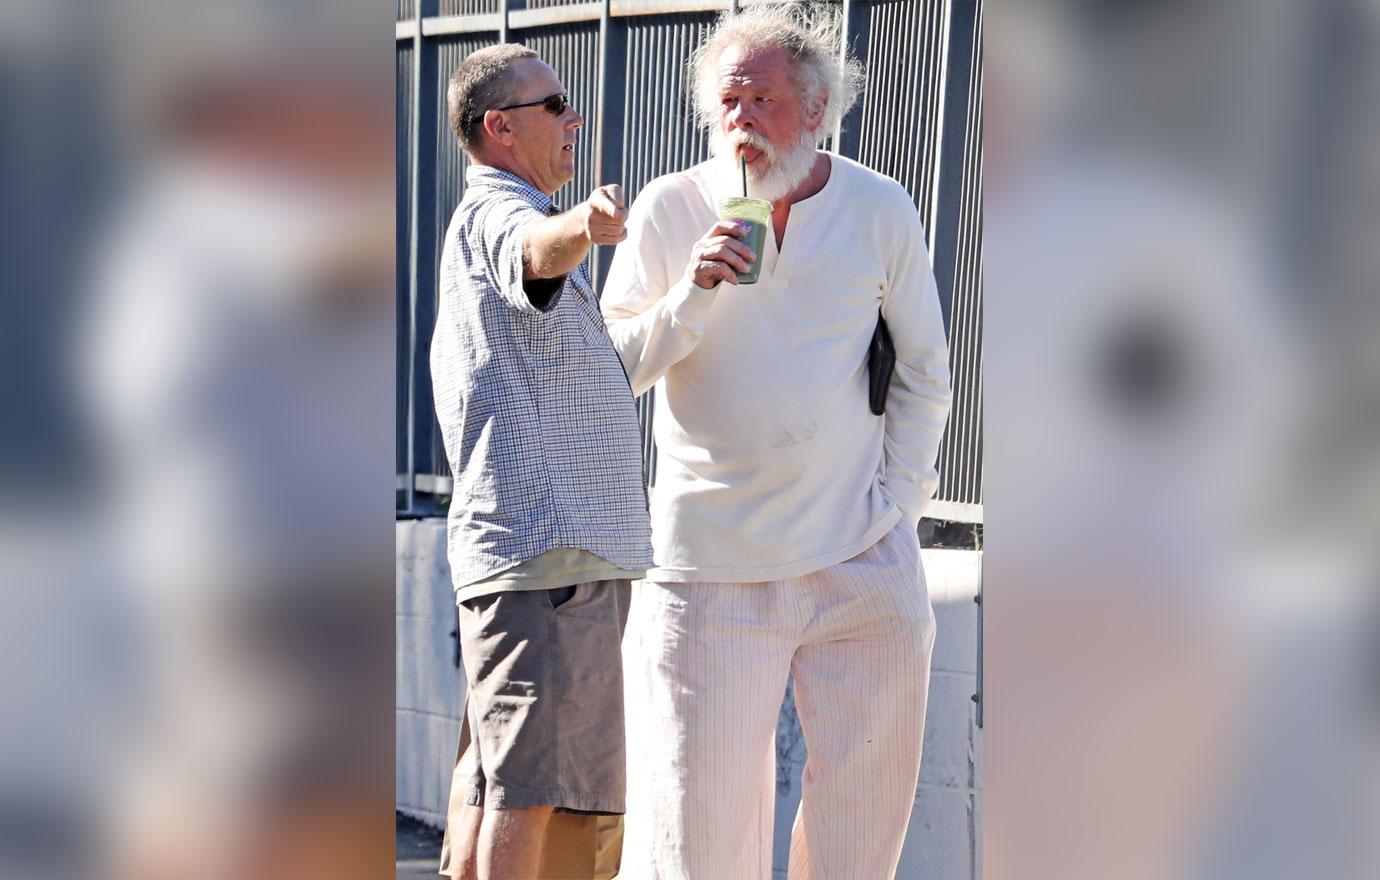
point(757, 214)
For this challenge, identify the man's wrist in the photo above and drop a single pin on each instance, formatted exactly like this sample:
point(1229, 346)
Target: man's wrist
point(689, 304)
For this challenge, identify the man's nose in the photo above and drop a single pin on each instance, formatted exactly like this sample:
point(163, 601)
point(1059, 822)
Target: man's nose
point(576, 120)
point(740, 117)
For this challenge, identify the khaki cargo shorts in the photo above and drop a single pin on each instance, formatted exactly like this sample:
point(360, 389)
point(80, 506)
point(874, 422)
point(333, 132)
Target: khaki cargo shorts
point(545, 703)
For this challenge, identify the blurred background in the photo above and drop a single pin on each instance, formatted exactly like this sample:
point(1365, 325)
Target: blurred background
point(196, 503)
point(1181, 472)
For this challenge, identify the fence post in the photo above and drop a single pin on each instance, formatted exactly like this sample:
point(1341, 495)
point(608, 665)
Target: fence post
point(856, 34)
point(422, 246)
point(410, 469)
point(610, 106)
point(953, 149)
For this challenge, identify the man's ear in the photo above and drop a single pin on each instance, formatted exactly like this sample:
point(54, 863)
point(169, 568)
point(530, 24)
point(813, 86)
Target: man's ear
point(814, 111)
point(496, 125)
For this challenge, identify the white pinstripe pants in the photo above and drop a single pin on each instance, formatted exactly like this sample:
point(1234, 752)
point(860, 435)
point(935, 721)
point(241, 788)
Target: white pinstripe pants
point(705, 670)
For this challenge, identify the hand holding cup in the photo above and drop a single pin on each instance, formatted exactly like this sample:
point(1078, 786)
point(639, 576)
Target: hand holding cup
point(721, 255)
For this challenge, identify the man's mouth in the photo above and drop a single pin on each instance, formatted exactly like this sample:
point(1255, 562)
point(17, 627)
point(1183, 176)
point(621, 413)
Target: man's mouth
point(751, 154)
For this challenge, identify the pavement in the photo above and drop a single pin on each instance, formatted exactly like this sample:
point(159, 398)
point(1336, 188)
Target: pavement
point(418, 849)
point(418, 869)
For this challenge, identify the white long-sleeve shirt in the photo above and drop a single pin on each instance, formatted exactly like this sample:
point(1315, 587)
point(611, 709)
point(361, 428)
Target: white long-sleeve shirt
point(770, 465)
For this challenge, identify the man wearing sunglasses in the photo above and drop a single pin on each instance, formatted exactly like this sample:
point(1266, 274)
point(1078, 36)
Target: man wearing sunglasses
point(548, 522)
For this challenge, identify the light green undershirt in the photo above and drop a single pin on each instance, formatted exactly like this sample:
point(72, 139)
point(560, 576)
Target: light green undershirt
point(557, 567)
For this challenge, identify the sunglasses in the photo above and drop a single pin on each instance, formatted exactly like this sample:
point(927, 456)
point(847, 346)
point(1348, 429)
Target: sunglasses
point(553, 104)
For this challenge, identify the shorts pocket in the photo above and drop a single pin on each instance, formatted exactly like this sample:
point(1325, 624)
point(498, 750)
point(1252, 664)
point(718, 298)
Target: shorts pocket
point(561, 595)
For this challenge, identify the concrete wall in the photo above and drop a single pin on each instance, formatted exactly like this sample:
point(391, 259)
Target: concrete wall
point(942, 843)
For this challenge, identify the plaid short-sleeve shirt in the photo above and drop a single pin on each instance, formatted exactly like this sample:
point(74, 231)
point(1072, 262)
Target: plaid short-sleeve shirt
point(533, 404)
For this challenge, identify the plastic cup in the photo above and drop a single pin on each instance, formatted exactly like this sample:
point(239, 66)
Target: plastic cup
point(756, 213)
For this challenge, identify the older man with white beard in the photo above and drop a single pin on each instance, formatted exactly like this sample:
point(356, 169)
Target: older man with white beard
point(784, 511)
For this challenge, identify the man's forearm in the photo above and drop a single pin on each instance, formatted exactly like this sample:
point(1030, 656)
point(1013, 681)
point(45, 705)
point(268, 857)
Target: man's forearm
point(554, 246)
point(916, 413)
point(651, 341)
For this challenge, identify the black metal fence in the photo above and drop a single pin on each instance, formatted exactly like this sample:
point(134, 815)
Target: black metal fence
point(919, 120)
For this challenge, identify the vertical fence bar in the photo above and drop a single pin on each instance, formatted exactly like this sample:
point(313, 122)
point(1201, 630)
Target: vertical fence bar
point(422, 246)
point(410, 489)
point(609, 122)
point(941, 109)
point(952, 150)
point(404, 104)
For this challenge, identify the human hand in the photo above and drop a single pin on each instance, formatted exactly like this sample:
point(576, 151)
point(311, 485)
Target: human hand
point(719, 255)
point(604, 215)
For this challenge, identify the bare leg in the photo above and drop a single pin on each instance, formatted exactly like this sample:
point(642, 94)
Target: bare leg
point(510, 843)
point(568, 847)
point(465, 842)
point(608, 847)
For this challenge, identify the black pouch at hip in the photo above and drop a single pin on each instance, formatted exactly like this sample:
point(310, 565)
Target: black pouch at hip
point(881, 361)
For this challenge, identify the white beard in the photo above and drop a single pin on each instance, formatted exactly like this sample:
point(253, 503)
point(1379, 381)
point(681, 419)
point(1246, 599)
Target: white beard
point(786, 168)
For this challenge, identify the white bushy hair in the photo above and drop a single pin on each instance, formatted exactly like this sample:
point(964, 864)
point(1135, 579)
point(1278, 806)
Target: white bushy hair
point(809, 32)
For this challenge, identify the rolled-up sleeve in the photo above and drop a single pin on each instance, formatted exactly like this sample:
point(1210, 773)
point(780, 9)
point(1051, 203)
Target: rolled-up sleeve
point(497, 235)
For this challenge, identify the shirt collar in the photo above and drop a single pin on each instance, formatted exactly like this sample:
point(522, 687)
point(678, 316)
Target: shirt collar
point(505, 181)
